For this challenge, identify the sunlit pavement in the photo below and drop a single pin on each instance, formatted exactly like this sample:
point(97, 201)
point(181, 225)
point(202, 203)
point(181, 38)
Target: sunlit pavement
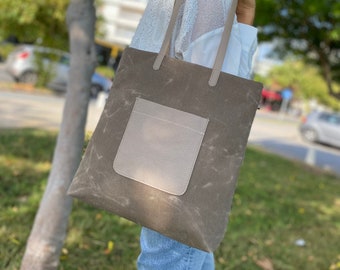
point(18, 109)
point(279, 134)
point(272, 131)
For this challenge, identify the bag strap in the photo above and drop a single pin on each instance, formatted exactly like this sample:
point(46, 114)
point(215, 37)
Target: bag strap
point(216, 70)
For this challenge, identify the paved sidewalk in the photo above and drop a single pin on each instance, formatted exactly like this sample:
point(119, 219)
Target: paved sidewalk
point(20, 109)
point(27, 109)
point(273, 132)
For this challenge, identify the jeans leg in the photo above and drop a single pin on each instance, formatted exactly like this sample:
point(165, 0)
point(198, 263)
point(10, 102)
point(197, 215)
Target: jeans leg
point(209, 262)
point(159, 252)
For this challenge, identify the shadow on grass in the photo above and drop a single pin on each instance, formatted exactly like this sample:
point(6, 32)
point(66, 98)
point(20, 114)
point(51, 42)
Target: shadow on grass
point(277, 202)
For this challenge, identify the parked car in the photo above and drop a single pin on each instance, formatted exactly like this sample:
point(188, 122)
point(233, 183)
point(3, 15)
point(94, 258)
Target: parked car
point(22, 64)
point(322, 127)
point(271, 99)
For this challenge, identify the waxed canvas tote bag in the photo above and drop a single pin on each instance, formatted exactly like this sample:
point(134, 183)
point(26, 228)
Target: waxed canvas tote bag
point(169, 144)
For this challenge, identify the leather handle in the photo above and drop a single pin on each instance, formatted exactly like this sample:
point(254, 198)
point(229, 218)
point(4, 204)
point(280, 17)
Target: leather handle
point(166, 42)
point(221, 52)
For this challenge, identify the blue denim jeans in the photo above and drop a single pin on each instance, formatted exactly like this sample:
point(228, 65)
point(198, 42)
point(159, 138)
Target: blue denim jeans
point(159, 252)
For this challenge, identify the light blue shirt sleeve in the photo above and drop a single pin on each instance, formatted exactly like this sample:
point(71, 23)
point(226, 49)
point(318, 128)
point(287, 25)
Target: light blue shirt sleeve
point(241, 48)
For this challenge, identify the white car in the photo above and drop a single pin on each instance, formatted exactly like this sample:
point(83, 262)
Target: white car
point(22, 65)
point(322, 127)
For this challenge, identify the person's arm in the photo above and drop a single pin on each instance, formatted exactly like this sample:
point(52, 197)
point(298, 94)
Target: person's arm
point(245, 11)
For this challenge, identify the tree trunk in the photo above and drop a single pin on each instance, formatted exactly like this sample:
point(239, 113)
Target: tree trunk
point(49, 229)
point(326, 72)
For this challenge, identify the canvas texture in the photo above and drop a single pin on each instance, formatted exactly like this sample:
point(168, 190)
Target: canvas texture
point(135, 165)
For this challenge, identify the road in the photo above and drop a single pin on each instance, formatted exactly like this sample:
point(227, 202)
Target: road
point(275, 133)
point(18, 109)
point(280, 135)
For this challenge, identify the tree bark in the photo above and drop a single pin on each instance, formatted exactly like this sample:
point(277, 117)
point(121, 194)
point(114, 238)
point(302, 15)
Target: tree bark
point(327, 75)
point(49, 229)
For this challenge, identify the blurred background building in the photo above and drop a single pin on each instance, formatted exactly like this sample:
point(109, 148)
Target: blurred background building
point(119, 20)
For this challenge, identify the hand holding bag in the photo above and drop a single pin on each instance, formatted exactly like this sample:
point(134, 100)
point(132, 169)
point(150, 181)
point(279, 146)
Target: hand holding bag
point(169, 144)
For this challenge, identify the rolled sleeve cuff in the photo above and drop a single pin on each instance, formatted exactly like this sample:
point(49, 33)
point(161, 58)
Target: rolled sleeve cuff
point(248, 35)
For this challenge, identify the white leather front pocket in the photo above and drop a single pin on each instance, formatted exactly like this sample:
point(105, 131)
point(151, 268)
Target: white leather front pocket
point(160, 146)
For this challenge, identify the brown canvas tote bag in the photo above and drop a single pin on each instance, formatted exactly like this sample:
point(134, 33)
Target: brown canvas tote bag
point(169, 144)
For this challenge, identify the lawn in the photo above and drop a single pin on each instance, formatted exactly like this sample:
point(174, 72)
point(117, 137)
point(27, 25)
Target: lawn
point(277, 202)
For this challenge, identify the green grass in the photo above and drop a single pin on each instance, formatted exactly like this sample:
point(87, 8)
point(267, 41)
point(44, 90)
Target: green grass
point(277, 201)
